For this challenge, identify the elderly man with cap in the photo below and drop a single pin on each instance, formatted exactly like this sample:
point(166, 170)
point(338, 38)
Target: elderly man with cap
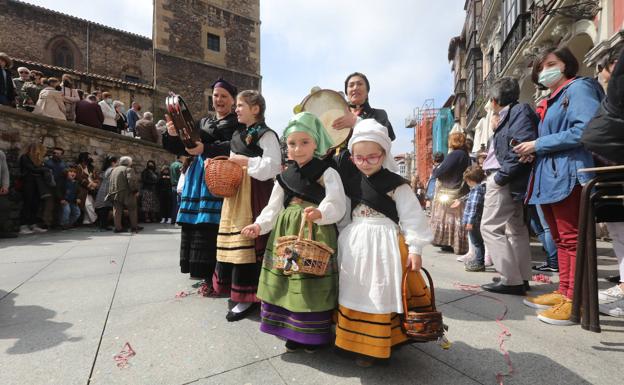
point(200, 211)
point(123, 189)
point(24, 77)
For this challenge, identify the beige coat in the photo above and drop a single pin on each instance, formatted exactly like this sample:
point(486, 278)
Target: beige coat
point(122, 183)
point(51, 103)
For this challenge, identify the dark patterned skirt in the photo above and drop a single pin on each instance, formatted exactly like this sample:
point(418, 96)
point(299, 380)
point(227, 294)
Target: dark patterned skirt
point(198, 250)
point(149, 201)
point(446, 223)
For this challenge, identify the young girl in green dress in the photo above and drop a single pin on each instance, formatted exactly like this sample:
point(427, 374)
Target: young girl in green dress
point(299, 307)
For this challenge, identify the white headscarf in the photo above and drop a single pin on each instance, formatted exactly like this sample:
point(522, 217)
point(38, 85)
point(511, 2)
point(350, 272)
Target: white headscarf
point(369, 130)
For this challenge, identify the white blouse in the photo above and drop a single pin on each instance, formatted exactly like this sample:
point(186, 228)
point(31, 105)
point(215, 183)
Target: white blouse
point(413, 223)
point(268, 165)
point(332, 207)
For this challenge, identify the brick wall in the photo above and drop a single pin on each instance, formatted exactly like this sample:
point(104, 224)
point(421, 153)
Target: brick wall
point(237, 22)
point(192, 80)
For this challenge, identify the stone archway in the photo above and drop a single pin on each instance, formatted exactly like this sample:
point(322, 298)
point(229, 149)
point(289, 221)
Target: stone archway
point(61, 51)
point(581, 40)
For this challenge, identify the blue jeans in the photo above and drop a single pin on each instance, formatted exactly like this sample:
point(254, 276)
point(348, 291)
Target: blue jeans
point(69, 214)
point(477, 241)
point(541, 229)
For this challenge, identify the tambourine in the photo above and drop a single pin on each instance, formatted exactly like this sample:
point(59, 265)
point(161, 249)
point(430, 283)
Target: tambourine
point(182, 120)
point(327, 105)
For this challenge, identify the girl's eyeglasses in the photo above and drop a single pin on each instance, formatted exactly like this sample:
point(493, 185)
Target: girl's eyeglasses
point(371, 159)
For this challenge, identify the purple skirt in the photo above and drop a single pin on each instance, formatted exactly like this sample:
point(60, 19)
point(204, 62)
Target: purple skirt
point(310, 328)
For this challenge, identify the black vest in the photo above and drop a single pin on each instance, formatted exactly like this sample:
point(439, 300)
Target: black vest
point(373, 192)
point(214, 130)
point(302, 182)
point(242, 146)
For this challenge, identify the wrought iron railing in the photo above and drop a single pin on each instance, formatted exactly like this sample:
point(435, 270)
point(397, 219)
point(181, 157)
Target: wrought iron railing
point(515, 37)
point(481, 93)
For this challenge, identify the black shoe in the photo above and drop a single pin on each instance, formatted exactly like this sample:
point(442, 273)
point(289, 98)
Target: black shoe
point(8, 235)
point(120, 230)
point(232, 317)
point(137, 229)
point(292, 346)
point(526, 283)
point(614, 279)
point(504, 289)
point(310, 348)
point(446, 249)
point(544, 267)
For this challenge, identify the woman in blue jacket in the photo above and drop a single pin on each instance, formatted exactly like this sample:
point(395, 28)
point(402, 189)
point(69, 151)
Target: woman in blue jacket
point(559, 154)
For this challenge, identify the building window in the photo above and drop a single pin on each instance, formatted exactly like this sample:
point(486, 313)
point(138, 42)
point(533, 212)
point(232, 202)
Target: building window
point(132, 79)
point(62, 56)
point(475, 79)
point(490, 58)
point(511, 11)
point(214, 42)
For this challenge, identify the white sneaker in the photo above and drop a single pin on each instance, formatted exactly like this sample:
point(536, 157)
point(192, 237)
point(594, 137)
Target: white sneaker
point(612, 294)
point(24, 229)
point(169, 221)
point(464, 258)
point(163, 220)
point(38, 229)
point(614, 309)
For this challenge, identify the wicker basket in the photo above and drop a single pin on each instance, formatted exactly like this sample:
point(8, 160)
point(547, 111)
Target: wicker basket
point(296, 255)
point(223, 177)
point(421, 326)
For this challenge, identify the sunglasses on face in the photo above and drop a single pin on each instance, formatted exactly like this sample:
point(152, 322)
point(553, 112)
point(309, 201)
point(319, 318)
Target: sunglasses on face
point(371, 159)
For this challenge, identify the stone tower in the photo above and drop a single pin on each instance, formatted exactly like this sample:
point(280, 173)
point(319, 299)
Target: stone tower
point(197, 41)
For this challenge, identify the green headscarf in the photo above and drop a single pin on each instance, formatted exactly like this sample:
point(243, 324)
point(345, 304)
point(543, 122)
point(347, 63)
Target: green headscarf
point(311, 125)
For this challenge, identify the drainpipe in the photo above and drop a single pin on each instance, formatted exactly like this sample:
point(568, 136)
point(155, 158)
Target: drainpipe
point(88, 43)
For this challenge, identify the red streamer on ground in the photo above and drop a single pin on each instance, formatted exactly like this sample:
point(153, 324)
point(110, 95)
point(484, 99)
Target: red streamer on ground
point(505, 333)
point(204, 290)
point(122, 358)
point(541, 278)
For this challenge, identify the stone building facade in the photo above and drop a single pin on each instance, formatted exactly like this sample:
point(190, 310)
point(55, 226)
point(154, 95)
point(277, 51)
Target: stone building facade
point(502, 38)
point(194, 43)
point(223, 40)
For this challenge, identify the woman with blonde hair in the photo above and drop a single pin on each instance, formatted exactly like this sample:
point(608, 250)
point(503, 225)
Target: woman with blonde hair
point(447, 209)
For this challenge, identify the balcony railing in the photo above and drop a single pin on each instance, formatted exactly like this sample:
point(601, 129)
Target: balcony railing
point(515, 37)
point(481, 93)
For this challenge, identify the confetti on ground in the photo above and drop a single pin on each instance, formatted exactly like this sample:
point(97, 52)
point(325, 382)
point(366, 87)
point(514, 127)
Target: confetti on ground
point(541, 278)
point(504, 334)
point(122, 358)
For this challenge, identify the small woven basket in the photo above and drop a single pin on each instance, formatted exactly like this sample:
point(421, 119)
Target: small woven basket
point(298, 255)
point(421, 326)
point(223, 177)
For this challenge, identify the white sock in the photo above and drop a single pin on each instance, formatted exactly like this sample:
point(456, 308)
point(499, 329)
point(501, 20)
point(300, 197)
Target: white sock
point(241, 307)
